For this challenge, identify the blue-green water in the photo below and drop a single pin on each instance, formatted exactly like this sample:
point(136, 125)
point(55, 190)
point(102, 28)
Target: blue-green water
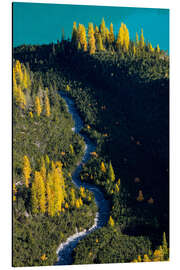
point(43, 23)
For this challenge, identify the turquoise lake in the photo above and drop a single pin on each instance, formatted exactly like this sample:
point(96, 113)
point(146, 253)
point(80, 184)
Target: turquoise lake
point(43, 23)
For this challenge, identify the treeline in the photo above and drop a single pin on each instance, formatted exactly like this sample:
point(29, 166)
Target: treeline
point(101, 38)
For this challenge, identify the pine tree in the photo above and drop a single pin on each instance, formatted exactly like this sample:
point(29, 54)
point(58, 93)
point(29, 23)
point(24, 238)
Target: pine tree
point(26, 170)
point(91, 39)
point(111, 174)
point(34, 199)
point(25, 81)
point(47, 106)
point(38, 108)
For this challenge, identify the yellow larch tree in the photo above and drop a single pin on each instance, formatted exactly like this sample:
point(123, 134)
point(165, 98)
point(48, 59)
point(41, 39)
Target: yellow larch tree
point(40, 186)
point(120, 37)
point(111, 34)
point(47, 106)
point(141, 42)
point(111, 174)
point(96, 32)
point(137, 39)
point(158, 255)
point(74, 37)
point(91, 39)
point(140, 197)
point(82, 192)
point(26, 170)
point(58, 191)
point(47, 161)
point(126, 38)
point(14, 192)
point(151, 49)
point(99, 43)
point(103, 30)
point(50, 196)
point(103, 168)
point(158, 49)
point(38, 108)
point(81, 33)
point(18, 72)
point(18, 93)
point(107, 35)
point(111, 221)
point(146, 258)
point(73, 197)
point(43, 169)
point(71, 149)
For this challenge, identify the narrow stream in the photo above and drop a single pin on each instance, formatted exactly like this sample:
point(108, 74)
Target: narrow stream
point(65, 249)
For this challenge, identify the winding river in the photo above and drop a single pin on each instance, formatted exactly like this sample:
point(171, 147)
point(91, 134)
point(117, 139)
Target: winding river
point(65, 249)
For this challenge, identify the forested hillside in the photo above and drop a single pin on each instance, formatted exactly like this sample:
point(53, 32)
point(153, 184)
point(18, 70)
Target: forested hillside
point(121, 90)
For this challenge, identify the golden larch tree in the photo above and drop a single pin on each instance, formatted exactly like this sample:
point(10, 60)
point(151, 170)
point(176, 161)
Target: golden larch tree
point(26, 170)
point(38, 108)
point(47, 106)
point(73, 197)
point(120, 37)
point(141, 42)
point(81, 33)
point(99, 43)
point(103, 168)
point(91, 39)
point(111, 221)
point(40, 186)
point(74, 38)
point(111, 34)
point(111, 174)
point(103, 30)
point(140, 197)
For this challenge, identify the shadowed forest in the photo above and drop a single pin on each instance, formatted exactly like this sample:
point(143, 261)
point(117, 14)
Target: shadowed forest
point(121, 90)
